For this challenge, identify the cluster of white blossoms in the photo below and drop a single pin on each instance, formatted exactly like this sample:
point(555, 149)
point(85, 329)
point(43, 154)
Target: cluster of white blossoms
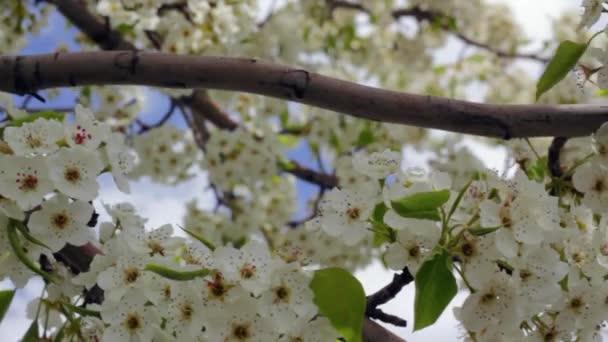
point(48, 171)
point(161, 287)
point(531, 249)
point(241, 157)
point(261, 211)
point(183, 27)
point(166, 154)
point(151, 283)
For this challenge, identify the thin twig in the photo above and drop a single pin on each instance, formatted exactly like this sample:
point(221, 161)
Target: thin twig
point(553, 158)
point(391, 290)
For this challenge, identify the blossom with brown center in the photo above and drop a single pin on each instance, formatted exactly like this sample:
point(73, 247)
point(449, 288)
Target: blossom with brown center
point(60, 220)
point(241, 331)
point(130, 274)
point(27, 182)
point(281, 294)
point(133, 322)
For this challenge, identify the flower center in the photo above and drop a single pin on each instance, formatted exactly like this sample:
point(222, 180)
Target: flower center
point(281, 294)
point(60, 220)
point(33, 141)
point(353, 213)
point(132, 322)
point(241, 331)
point(247, 271)
point(27, 182)
point(186, 311)
point(72, 174)
point(130, 274)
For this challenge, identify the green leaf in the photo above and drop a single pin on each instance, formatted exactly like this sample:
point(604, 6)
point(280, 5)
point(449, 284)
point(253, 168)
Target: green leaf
point(45, 114)
point(5, 301)
point(82, 311)
point(459, 198)
point(421, 205)
point(287, 165)
point(379, 211)
point(31, 335)
point(284, 117)
point(125, 29)
point(481, 231)
point(366, 137)
point(538, 171)
point(340, 298)
point(565, 58)
point(382, 232)
point(435, 288)
point(288, 140)
point(17, 248)
point(176, 275)
point(201, 239)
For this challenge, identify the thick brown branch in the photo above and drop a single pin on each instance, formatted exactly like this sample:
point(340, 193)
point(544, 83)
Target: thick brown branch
point(28, 74)
point(210, 111)
point(373, 332)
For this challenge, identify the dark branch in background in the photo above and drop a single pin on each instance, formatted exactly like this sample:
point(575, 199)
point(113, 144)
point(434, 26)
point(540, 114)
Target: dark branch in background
point(314, 210)
point(312, 176)
point(423, 15)
point(181, 7)
point(382, 316)
point(553, 158)
point(146, 127)
point(27, 74)
point(197, 124)
point(386, 294)
point(99, 31)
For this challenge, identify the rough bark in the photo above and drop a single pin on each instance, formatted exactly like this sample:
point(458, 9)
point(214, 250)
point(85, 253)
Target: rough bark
point(28, 74)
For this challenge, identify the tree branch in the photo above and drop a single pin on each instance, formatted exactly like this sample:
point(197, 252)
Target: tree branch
point(391, 290)
point(28, 74)
point(326, 181)
point(99, 31)
point(373, 332)
point(553, 158)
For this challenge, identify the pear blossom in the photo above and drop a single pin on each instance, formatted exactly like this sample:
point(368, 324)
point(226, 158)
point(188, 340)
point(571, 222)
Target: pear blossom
point(126, 274)
point(494, 304)
point(344, 213)
point(130, 320)
point(121, 160)
point(592, 12)
point(289, 297)
point(411, 248)
point(24, 180)
point(185, 316)
point(239, 321)
point(60, 222)
point(74, 172)
point(86, 131)
point(378, 164)
point(251, 265)
point(592, 181)
point(38, 137)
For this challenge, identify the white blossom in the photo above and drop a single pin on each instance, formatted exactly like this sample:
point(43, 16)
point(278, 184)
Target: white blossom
point(74, 172)
point(38, 137)
point(60, 222)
